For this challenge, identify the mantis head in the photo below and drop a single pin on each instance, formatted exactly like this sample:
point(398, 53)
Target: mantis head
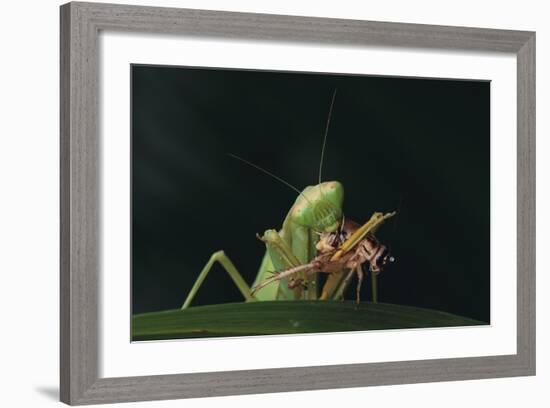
point(319, 207)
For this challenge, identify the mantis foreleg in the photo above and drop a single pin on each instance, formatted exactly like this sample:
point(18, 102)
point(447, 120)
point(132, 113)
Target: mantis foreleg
point(279, 257)
point(230, 268)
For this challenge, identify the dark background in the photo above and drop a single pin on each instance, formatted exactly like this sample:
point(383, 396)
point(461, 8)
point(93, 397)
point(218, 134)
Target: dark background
point(419, 146)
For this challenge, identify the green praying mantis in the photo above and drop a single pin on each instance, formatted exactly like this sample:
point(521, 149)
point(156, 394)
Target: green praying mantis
point(315, 237)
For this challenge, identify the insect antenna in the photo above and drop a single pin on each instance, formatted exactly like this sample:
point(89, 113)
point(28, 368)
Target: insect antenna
point(396, 218)
point(286, 183)
point(398, 211)
point(327, 126)
point(326, 134)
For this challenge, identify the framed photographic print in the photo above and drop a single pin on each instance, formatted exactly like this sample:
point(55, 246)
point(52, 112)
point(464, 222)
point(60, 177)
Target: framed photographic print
point(189, 179)
point(243, 191)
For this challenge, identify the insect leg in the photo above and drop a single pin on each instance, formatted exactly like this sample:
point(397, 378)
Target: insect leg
point(332, 285)
point(229, 267)
point(360, 275)
point(341, 289)
point(374, 283)
point(281, 275)
point(303, 247)
point(280, 257)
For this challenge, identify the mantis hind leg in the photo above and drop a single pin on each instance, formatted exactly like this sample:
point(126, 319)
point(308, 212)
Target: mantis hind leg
point(232, 271)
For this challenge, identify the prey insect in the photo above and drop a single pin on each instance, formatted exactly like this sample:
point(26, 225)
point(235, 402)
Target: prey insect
point(314, 237)
point(347, 249)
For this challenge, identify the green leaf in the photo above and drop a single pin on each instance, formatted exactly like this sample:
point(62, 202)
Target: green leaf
point(286, 317)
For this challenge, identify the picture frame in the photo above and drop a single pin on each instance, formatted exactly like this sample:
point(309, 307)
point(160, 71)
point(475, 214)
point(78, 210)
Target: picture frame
point(81, 23)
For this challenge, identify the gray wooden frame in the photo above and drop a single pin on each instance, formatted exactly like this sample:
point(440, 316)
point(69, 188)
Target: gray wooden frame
point(80, 25)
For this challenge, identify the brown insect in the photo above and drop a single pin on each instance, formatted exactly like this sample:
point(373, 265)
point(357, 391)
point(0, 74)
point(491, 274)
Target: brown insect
point(341, 254)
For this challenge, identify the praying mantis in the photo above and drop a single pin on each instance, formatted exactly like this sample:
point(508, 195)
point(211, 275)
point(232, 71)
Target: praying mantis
point(314, 236)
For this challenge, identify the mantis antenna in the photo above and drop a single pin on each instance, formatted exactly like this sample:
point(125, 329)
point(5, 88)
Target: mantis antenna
point(326, 133)
point(286, 183)
point(324, 144)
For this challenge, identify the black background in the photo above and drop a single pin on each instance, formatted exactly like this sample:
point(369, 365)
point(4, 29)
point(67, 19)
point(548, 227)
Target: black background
point(419, 146)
